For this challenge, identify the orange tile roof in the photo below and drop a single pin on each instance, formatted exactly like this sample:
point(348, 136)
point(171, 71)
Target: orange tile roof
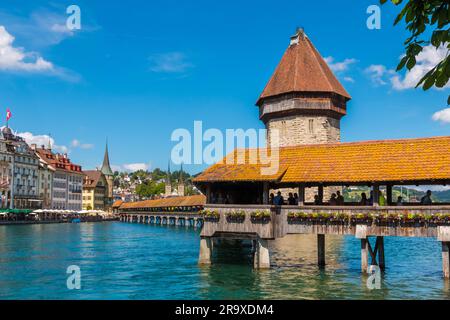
point(187, 201)
point(302, 69)
point(58, 161)
point(424, 159)
point(117, 203)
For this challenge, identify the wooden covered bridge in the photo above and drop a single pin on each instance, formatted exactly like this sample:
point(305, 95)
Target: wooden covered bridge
point(183, 211)
point(238, 205)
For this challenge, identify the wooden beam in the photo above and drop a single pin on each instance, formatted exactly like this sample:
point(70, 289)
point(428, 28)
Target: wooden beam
point(389, 194)
point(364, 255)
point(380, 247)
point(376, 195)
point(321, 250)
point(446, 259)
point(301, 195)
point(265, 193)
point(320, 193)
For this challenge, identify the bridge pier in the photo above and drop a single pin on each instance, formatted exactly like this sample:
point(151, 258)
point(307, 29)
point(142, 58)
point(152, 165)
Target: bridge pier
point(446, 259)
point(321, 250)
point(376, 254)
point(261, 254)
point(205, 251)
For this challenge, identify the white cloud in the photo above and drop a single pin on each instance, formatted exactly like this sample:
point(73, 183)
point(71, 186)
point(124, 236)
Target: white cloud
point(77, 144)
point(442, 116)
point(425, 61)
point(135, 166)
point(379, 74)
point(349, 79)
point(339, 66)
point(42, 140)
point(45, 26)
point(171, 62)
point(16, 59)
point(114, 168)
point(130, 167)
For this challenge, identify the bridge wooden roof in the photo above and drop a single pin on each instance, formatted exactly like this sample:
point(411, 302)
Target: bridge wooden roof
point(117, 203)
point(424, 159)
point(187, 201)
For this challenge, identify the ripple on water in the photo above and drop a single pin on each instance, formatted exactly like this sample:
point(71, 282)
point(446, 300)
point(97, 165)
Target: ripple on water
point(131, 261)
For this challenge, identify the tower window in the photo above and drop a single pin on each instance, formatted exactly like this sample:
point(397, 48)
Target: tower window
point(311, 126)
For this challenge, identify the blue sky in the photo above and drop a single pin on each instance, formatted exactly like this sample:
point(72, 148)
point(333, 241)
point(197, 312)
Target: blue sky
point(137, 70)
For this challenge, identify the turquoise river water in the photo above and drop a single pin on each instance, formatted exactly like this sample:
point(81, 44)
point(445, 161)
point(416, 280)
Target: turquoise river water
point(135, 261)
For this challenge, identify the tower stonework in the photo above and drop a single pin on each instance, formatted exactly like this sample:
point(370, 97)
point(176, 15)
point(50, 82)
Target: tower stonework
point(168, 184)
point(303, 101)
point(298, 130)
point(181, 191)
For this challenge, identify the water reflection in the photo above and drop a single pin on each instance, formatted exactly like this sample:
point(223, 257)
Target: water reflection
point(132, 261)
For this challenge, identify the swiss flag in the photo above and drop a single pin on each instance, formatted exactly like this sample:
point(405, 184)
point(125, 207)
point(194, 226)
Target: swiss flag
point(8, 114)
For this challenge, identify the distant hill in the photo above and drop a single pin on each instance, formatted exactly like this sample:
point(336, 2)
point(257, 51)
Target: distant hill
point(443, 196)
point(408, 194)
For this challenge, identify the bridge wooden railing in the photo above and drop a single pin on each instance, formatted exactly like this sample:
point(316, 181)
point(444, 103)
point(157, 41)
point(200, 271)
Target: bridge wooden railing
point(407, 221)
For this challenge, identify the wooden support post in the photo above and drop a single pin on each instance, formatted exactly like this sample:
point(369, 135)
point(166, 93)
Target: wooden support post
point(446, 259)
point(205, 251)
point(376, 195)
point(380, 249)
point(208, 193)
point(262, 256)
point(364, 255)
point(301, 195)
point(265, 193)
point(321, 250)
point(320, 193)
point(389, 194)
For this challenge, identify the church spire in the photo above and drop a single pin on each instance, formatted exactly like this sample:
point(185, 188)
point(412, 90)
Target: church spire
point(180, 179)
point(168, 173)
point(106, 167)
point(168, 185)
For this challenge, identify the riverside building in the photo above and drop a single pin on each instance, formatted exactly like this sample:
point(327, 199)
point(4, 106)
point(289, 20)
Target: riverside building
point(67, 181)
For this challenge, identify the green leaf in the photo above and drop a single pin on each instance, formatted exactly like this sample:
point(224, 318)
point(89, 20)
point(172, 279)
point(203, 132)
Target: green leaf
point(448, 100)
point(428, 83)
point(411, 63)
point(402, 63)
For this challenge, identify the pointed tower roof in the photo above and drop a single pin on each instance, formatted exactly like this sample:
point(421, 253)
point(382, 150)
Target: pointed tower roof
point(168, 174)
point(302, 69)
point(180, 179)
point(106, 167)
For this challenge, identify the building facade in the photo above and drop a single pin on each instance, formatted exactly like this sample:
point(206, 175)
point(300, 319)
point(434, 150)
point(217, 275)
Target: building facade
point(6, 160)
point(45, 183)
point(24, 165)
point(95, 190)
point(67, 183)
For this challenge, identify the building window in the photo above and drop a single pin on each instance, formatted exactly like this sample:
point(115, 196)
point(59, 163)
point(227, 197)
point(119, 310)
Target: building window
point(311, 126)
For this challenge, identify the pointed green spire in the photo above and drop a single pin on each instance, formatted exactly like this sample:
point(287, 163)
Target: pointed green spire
point(180, 179)
point(168, 173)
point(106, 167)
